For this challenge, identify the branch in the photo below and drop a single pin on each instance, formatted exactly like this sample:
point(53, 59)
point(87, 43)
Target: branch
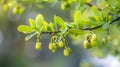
point(94, 28)
point(90, 5)
point(54, 32)
point(117, 19)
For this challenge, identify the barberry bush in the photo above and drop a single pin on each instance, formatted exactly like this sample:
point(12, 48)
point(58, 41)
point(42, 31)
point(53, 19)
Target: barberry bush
point(96, 23)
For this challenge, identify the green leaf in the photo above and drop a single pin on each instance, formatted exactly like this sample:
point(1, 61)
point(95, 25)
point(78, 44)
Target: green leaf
point(95, 10)
point(112, 3)
point(77, 16)
point(105, 11)
point(76, 32)
point(32, 23)
point(51, 27)
point(30, 36)
point(105, 26)
point(99, 2)
point(60, 22)
point(82, 7)
point(93, 20)
point(39, 20)
point(45, 25)
point(88, 1)
point(41, 29)
point(25, 29)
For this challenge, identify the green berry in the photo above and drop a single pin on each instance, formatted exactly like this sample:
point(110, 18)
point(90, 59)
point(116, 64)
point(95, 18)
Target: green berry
point(18, 9)
point(6, 7)
point(92, 43)
point(65, 5)
point(66, 52)
point(69, 49)
point(38, 46)
point(51, 46)
point(60, 44)
point(54, 50)
point(15, 10)
point(86, 44)
point(94, 37)
point(21, 10)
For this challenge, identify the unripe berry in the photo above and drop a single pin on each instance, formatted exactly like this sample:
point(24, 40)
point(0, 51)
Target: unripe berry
point(38, 46)
point(69, 49)
point(18, 10)
point(51, 46)
point(86, 44)
point(65, 5)
point(21, 10)
point(94, 37)
point(60, 44)
point(54, 50)
point(66, 52)
point(6, 7)
point(15, 10)
point(93, 40)
point(93, 43)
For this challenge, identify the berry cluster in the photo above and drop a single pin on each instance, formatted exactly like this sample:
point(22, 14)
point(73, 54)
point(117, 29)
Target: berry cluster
point(17, 8)
point(57, 43)
point(90, 40)
point(66, 4)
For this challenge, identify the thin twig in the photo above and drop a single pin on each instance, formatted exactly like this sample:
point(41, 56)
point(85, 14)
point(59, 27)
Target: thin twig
point(90, 5)
point(94, 28)
point(117, 19)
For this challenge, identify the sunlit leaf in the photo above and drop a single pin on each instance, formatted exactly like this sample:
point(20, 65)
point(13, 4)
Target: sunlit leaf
point(88, 1)
point(95, 11)
point(105, 11)
point(51, 26)
point(25, 29)
point(93, 20)
point(39, 20)
point(32, 23)
point(112, 3)
point(45, 24)
point(41, 29)
point(77, 16)
point(59, 21)
point(99, 2)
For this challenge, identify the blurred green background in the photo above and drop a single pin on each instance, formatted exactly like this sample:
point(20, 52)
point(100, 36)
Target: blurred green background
point(15, 52)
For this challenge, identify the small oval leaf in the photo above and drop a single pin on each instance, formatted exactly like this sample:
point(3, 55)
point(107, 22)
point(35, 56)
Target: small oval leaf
point(25, 29)
point(39, 19)
point(30, 36)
